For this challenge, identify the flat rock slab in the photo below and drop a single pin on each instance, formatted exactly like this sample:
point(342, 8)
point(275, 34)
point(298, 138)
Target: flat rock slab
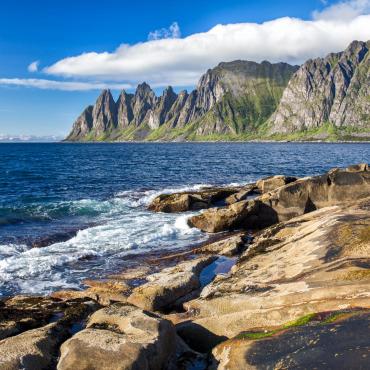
point(166, 287)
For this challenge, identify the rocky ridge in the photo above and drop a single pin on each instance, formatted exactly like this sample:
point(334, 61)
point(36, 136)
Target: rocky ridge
point(324, 99)
point(332, 90)
point(229, 99)
point(292, 293)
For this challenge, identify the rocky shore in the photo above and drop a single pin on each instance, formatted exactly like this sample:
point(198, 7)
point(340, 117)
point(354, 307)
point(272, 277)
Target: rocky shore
point(283, 284)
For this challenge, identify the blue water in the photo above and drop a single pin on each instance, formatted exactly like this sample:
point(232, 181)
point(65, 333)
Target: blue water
point(71, 211)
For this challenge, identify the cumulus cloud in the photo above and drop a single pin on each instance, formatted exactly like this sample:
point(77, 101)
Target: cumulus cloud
point(344, 10)
point(180, 62)
point(61, 85)
point(172, 32)
point(167, 59)
point(34, 66)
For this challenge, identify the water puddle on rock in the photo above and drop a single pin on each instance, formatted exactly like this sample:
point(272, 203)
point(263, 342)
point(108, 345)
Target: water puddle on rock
point(222, 265)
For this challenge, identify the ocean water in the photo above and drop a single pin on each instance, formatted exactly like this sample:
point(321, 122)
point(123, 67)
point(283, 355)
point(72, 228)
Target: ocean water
point(75, 211)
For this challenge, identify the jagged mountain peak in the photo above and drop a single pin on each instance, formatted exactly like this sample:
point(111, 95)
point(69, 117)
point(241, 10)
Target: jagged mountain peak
point(239, 97)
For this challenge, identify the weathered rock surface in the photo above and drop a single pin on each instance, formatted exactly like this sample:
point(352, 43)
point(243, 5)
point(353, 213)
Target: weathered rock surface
point(120, 337)
point(333, 90)
point(285, 202)
point(190, 201)
point(34, 327)
point(163, 289)
point(272, 183)
point(105, 292)
point(228, 246)
point(246, 191)
point(336, 340)
point(312, 263)
point(33, 350)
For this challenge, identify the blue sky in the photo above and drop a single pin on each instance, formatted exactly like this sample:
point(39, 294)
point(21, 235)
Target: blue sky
point(46, 98)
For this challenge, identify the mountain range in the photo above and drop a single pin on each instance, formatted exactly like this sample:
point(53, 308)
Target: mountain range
point(324, 99)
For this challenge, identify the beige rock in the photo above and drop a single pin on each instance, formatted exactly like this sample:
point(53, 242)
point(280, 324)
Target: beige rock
point(228, 246)
point(243, 194)
point(32, 350)
point(312, 263)
point(120, 337)
point(273, 182)
point(166, 287)
point(190, 201)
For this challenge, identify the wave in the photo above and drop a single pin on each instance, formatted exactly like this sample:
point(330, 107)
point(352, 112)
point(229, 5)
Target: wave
point(125, 227)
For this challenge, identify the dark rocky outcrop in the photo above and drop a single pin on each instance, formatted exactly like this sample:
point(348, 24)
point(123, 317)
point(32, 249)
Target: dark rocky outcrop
point(288, 201)
point(192, 201)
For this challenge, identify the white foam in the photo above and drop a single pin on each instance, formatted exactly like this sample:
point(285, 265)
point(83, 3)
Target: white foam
point(125, 227)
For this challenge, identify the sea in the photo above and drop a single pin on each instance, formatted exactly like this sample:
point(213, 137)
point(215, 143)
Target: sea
point(74, 211)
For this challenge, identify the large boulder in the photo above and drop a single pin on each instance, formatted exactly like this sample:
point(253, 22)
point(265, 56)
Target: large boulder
point(288, 201)
point(120, 337)
point(165, 288)
point(34, 349)
point(334, 340)
point(190, 201)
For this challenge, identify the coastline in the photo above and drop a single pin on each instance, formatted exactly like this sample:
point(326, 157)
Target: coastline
point(287, 257)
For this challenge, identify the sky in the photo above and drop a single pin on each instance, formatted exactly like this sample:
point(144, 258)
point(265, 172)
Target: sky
point(56, 56)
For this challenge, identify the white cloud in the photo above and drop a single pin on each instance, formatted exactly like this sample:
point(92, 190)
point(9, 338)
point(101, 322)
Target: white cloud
point(61, 85)
point(180, 62)
point(344, 10)
point(34, 66)
point(173, 32)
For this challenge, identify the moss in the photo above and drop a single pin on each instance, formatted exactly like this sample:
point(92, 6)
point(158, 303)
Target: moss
point(254, 335)
point(304, 320)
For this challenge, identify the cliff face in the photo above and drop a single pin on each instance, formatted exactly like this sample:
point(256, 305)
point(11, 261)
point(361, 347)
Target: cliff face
point(229, 99)
point(241, 99)
point(334, 89)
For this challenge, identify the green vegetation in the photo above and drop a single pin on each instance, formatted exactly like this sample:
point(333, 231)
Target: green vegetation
point(254, 335)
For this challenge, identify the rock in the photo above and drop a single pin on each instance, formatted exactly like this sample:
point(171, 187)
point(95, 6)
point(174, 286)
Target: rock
point(358, 167)
point(336, 340)
point(312, 263)
point(33, 350)
point(22, 313)
point(273, 182)
point(41, 324)
point(243, 194)
point(252, 214)
point(333, 89)
point(105, 292)
point(288, 201)
point(166, 287)
point(120, 337)
point(228, 246)
point(190, 201)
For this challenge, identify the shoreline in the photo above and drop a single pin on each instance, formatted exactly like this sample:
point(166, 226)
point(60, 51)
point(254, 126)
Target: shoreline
point(285, 270)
